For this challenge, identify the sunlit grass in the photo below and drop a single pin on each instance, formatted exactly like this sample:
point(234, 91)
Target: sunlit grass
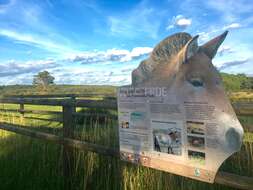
point(27, 163)
point(242, 96)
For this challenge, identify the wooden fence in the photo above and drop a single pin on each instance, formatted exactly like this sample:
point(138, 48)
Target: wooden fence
point(69, 104)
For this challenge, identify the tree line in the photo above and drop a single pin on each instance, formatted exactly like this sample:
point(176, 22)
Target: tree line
point(237, 82)
point(43, 83)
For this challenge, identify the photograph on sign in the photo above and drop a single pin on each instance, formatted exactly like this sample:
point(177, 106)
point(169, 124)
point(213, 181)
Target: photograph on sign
point(167, 138)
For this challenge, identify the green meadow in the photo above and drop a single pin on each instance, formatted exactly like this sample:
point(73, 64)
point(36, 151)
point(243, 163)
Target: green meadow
point(27, 163)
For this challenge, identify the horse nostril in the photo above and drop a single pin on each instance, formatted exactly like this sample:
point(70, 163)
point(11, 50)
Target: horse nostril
point(233, 139)
point(196, 82)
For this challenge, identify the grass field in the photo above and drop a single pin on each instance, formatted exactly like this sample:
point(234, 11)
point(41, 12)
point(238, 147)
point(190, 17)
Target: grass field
point(27, 163)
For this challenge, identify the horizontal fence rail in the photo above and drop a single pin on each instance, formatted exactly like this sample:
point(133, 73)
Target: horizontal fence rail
point(109, 104)
point(31, 111)
point(96, 115)
point(61, 95)
point(69, 104)
point(82, 145)
point(240, 108)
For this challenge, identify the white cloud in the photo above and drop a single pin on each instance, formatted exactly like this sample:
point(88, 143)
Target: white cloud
point(22, 72)
point(33, 24)
point(179, 21)
point(91, 76)
point(232, 26)
point(209, 34)
point(203, 36)
point(183, 22)
point(136, 53)
point(110, 55)
point(14, 68)
point(231, 9)
point(34, 40)
point(228, 64)
point(225, 49)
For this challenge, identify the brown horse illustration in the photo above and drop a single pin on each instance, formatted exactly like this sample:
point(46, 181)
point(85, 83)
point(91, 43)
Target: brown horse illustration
point(185, 68)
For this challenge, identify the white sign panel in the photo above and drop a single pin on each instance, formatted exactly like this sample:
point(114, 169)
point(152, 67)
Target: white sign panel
point(179, 121)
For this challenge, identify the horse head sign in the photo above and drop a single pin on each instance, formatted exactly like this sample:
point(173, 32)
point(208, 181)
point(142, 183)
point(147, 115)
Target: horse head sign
point(175, 116)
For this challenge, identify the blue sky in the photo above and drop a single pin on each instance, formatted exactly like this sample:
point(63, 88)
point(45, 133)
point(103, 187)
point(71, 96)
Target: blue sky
point(101, 42)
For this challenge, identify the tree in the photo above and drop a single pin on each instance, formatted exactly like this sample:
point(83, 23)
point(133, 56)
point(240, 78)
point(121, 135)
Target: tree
point(43, 79)
point(246, 84)
point(237, 82)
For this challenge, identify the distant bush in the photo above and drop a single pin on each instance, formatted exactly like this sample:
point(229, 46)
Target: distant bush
point(56, 89)
point(232, 83)
point(239, 82)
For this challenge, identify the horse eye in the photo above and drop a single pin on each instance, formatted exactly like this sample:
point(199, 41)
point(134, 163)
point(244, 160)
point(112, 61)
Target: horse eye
point(196, 82)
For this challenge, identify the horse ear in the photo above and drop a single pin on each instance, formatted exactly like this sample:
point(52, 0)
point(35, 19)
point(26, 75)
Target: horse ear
point(190, 48)
point(210, 48)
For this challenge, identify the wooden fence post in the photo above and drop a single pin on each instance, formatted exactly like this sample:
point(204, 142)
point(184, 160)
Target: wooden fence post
point(21, 111)
point(21, 108)
point(68, 152)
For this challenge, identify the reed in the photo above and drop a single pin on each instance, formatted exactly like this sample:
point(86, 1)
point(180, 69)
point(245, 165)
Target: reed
point(33, 164)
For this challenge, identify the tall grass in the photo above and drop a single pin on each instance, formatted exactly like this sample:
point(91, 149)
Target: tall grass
point(27, 163)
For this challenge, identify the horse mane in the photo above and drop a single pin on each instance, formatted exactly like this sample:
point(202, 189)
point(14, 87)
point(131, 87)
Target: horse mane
point(169, 47)
point(161, 54)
